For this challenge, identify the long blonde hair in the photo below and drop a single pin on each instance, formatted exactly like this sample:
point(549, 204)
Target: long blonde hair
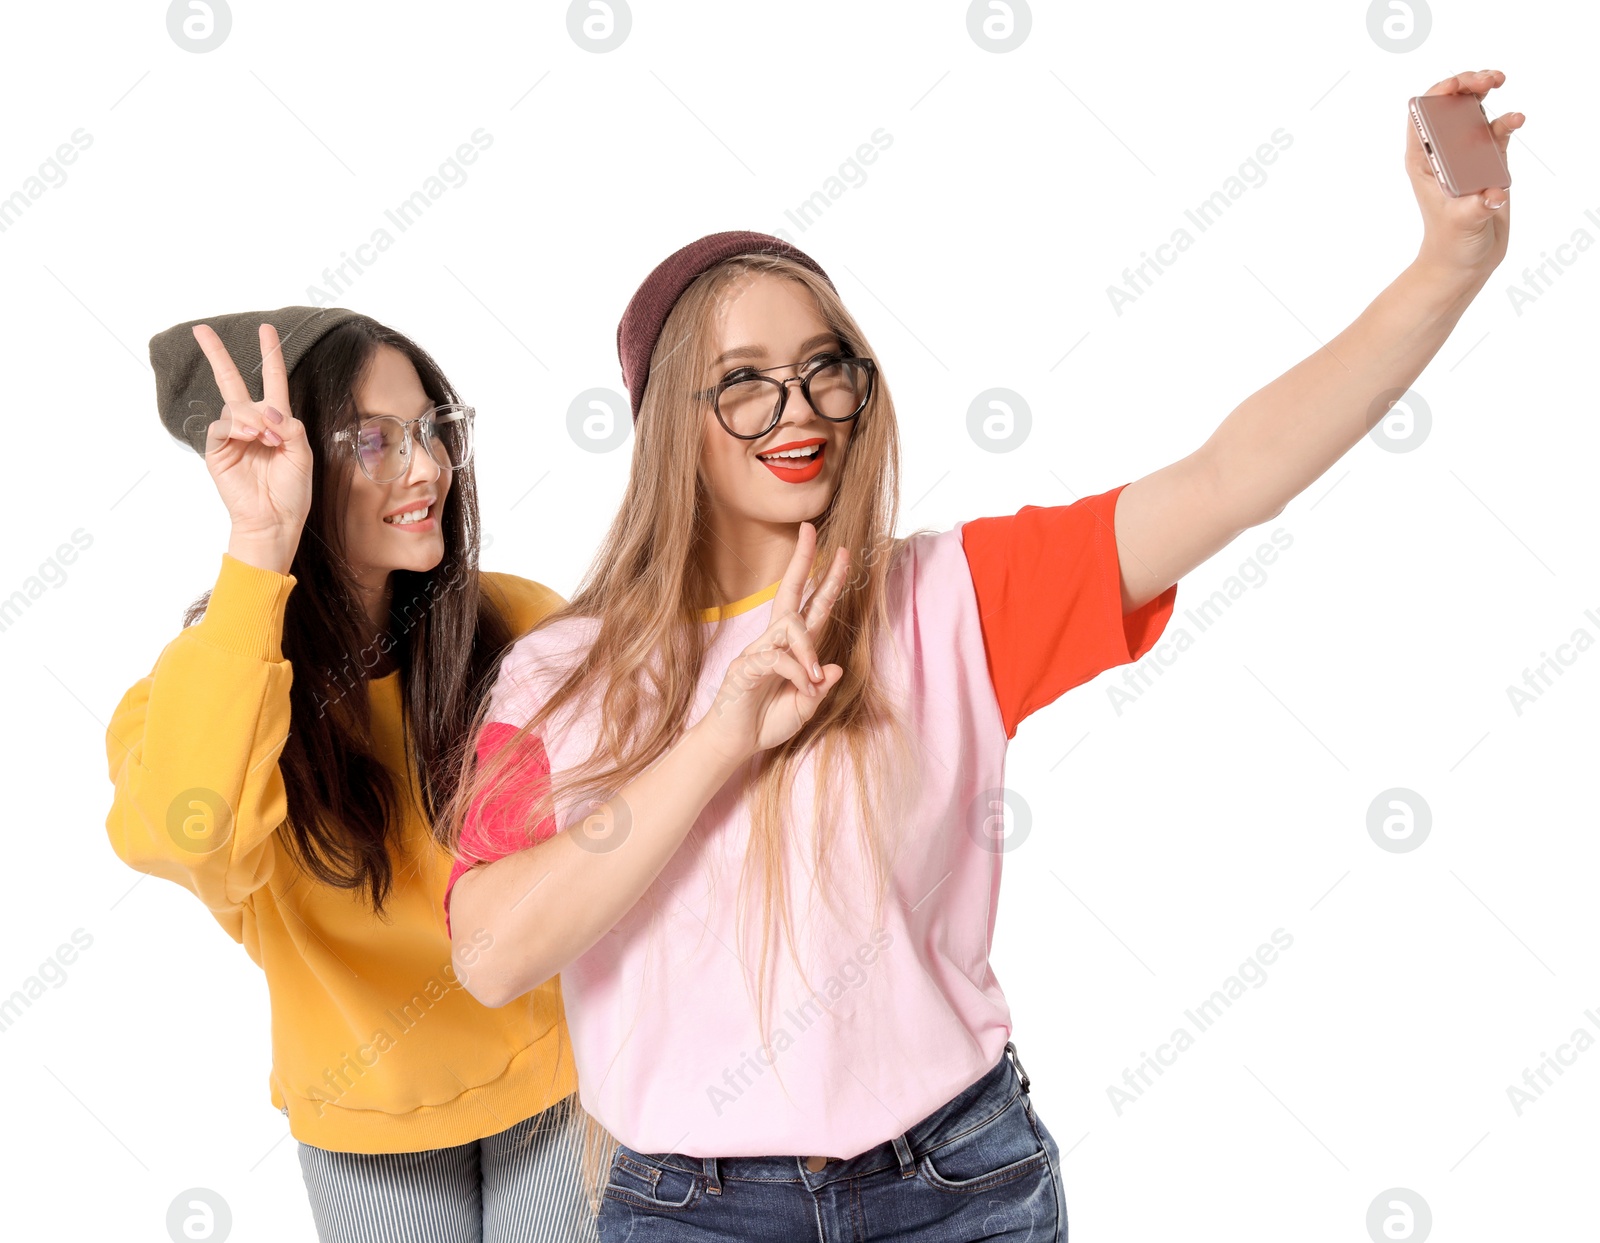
point(647, 586)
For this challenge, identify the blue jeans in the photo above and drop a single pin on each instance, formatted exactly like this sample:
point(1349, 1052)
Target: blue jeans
point(981, 1166)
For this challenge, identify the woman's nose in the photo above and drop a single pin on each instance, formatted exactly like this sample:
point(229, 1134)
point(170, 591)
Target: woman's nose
point(421, 464)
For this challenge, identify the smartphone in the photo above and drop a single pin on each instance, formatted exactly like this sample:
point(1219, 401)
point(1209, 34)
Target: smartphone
point(1455, 134)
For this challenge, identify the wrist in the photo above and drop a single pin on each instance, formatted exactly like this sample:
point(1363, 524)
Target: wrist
point(1450, 283)
point(263, 552)
point(725, 754)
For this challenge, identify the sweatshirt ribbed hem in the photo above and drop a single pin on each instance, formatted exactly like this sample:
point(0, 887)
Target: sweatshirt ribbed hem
point(245, 612)
point(541, 1075)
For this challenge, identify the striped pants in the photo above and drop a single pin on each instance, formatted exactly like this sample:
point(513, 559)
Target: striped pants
point(515, 1187)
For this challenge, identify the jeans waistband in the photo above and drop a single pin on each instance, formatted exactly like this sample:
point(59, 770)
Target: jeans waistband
point(971, 1107)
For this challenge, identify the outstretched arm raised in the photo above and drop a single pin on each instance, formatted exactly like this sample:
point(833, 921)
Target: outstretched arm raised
point(1285, 436)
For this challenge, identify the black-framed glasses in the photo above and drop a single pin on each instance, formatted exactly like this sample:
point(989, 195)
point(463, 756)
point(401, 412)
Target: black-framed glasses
point(382, 443)
point(749, 404)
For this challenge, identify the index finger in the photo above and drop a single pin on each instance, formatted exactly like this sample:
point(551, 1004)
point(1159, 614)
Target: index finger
point(229, 382)
point(794, 578)
point(274, 375)
point(1479, 82)
point(820, 606)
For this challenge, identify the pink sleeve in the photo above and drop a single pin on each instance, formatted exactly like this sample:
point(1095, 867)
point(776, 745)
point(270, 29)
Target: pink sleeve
point(493, 830)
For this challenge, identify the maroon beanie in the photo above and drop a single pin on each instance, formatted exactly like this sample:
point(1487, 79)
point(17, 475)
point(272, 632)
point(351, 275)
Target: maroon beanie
point(653, 301)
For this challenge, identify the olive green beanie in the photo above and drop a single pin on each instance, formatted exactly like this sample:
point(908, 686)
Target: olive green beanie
point(187, 395)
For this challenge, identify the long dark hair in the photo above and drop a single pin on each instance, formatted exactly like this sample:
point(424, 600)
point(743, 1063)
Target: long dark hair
point(445, 635)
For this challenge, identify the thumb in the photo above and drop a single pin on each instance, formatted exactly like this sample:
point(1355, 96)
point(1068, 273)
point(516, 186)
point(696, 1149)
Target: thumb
point(1469, 215)
point(807, 705)
point(291, 431)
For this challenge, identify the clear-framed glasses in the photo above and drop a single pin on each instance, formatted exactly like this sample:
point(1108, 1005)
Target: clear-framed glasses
point(382, 443)
point(749, 404)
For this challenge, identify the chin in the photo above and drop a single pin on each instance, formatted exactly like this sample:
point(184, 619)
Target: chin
point(423, 560)
point(795, 511)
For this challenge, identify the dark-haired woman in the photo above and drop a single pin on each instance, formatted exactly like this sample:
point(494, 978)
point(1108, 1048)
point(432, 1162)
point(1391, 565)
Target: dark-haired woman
point(288, 753)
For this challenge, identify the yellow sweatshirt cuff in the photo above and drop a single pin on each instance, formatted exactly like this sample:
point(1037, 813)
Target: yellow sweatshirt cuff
point(245, 612)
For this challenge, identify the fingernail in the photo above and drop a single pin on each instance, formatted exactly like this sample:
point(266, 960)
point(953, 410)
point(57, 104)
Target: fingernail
point(816, 671)
point(273, 414)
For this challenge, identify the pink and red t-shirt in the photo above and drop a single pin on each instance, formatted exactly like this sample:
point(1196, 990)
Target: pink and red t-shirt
point(995, 618)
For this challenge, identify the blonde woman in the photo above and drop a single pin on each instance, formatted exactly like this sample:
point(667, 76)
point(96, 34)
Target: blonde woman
point(752, 826)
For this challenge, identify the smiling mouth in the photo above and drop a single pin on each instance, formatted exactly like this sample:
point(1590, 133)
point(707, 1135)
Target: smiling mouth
point(410, 517)
point(793, 458)
point(797, 461)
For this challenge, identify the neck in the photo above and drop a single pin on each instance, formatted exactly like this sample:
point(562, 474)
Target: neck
point(373, 594)
point(744, 555)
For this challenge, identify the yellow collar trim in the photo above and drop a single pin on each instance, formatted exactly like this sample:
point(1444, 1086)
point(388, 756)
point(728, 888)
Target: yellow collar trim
point(720, 612)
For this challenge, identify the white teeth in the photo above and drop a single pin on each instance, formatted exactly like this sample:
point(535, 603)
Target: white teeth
point(808, 451)
point(407, 518)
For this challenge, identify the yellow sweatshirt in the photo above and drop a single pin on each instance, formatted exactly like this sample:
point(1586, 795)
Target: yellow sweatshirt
point(376, 1047)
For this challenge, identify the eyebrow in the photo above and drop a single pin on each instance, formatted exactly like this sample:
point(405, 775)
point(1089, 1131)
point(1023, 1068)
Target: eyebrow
point(759, 351)
point(378, 414)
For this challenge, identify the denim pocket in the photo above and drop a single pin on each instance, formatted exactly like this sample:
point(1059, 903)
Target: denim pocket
point(644, 1184)
point(1001, 1150)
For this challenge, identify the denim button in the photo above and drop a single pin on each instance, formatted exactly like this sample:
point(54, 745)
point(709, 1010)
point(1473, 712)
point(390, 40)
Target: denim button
point(815, 1164)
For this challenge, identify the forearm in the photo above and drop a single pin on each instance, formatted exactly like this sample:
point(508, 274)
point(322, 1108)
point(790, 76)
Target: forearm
point(192, 750)
point(192, 754)
point(544, 906)
point(1286, 435)
point(1279, 440)
point(1283, 437)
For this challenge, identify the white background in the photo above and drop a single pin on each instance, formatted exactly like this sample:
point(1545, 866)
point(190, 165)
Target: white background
point(1230, 799)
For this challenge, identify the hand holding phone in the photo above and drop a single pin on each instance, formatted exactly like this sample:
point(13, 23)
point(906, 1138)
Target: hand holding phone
point(1455, 162)
point(1455, 134)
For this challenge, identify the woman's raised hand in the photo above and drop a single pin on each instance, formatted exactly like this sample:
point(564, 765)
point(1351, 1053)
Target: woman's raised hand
point(776, 684)
point(1463, 236)
point(258, 455)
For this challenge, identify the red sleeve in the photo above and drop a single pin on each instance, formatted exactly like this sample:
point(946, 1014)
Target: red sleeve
point(493, 830)
point(1049, 590)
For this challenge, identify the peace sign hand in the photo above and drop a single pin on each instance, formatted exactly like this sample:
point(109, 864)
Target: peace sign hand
point(768, 691)
point(258, 455)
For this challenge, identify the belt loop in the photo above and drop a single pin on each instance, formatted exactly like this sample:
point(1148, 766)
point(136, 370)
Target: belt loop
point(713, 1183)
point(902, 1150)
point(1012, 1050)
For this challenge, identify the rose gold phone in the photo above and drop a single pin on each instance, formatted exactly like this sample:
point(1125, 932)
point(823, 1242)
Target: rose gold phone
point(1455, 134)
